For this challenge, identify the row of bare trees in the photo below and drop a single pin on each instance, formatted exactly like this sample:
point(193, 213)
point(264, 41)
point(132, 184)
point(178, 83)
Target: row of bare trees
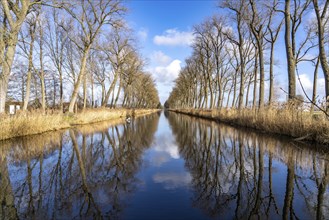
point(53, 52)
point(233, 57)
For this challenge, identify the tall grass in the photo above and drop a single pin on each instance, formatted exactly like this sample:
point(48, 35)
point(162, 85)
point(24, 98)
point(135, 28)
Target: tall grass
point(285, 121)
point(28, 123)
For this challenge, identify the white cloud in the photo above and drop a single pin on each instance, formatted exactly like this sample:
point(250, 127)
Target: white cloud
point(142, 34)
point(307, 83)
point(173, 180)
point(173, 37)
point(160, 58)
point(168, 73)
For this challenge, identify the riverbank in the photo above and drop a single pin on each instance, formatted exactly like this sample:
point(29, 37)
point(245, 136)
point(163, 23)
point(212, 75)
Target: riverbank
point(30, 123)
point(299, 125)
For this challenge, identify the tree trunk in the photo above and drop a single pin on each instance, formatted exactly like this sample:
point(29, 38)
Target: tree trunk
point(247, 93)
point(80, 78)
point(4, 76)
point(117, 96)
point(261, 74)
point(84, 91)
point(112, 86)
point(42, 74)
point(8, 47)
point(254, 104)
point(322, 52)
point(29, 73)
point(92, 92)
point(291, 65)
point(315, 80)
point(3, 92)
point(270, 98)
point(54, 92)
point(61, 90)
point(43, 92)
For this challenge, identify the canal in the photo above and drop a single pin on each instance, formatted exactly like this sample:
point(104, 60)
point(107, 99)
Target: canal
point(162, 166)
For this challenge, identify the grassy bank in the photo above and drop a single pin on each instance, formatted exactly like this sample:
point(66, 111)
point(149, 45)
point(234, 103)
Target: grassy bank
point(300, 125)
point(30, 123)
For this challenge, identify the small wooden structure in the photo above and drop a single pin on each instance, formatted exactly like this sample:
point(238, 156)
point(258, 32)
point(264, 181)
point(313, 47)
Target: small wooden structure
point(13, 106)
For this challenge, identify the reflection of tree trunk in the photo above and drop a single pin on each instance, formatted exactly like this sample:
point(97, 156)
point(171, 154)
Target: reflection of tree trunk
point(241, 177)
point(80, 161)
point(29, 183)
point(322, 186)
point(270, 185)
point(59, 171)
point(7, 209)
point(40, 182)
point(89, 196)
point(289, 189)
point(260, 180)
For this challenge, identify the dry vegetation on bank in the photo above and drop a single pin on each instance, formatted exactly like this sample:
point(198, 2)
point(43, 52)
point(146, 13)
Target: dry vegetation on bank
point(300, 125)
point(35, 123)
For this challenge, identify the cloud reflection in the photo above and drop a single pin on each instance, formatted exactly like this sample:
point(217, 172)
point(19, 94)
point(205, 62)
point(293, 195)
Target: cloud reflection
point(173, 180)
point(167, 146)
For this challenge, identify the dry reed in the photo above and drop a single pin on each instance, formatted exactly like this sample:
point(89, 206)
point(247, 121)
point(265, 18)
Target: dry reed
point(284, 121)
point(28, 123)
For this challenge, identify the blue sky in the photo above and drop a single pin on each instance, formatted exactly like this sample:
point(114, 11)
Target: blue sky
point(164, 30)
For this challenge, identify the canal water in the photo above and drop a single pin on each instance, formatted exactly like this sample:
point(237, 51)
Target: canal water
point(162, 166)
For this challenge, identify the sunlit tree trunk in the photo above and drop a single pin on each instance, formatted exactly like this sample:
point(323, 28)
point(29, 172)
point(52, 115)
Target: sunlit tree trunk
point(291, 64)
point(315, 80)
point(42, 72)
point(79, 80)
point(11, 26)
point(322, 50)
point(30, 66)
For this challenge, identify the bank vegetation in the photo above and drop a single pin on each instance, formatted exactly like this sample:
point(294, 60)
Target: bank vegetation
point(31, 123)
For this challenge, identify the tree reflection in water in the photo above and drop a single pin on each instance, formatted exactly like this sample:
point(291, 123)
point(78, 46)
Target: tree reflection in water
point(238, 174)
point(82, 173)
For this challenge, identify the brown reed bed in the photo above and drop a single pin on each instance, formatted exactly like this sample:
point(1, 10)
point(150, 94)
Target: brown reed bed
point(28, 123)
point(302, 126)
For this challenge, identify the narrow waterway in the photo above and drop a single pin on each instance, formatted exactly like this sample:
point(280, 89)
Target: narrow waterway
point(162, 166)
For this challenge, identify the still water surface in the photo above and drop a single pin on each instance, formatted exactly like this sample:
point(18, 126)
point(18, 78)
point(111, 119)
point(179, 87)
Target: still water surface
point(162, 166)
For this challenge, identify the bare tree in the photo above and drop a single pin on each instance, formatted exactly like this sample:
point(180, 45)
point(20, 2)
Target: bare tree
point(273, 33)
point(116, 50)
point(90, 16)
point(28, 49)
point(322, 21)
point(239, 9)
point(258, 29)
point(13, 15)
point(292, 23)
point(56, 38)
